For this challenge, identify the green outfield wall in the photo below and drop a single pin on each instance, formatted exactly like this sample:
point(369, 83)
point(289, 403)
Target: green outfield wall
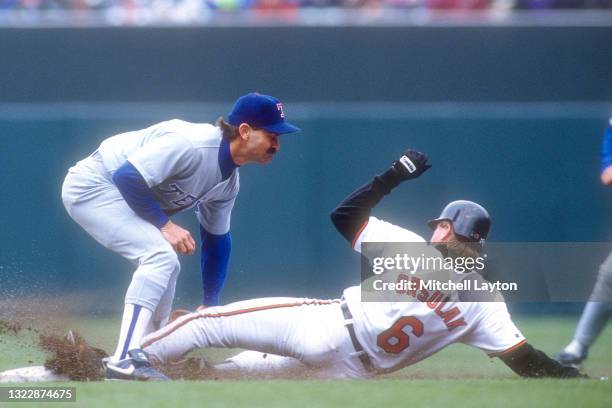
point(537, 176)
point(456, 63)
point(511, 117)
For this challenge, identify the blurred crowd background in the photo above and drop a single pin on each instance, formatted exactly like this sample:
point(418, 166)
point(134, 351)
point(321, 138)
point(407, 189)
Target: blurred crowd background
point(172, 12)
point(191, 6)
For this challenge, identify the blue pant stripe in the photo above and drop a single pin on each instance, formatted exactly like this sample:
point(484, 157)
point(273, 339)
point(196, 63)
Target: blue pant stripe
point(128, 338)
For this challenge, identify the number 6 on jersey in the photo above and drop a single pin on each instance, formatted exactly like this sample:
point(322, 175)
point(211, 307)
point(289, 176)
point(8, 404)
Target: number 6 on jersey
point(394, 340)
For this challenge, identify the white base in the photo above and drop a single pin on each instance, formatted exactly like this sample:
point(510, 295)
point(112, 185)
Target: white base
point(30, 374)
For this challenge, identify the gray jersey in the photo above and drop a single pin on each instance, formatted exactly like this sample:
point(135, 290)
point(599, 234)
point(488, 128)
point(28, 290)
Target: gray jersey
point(179, 162)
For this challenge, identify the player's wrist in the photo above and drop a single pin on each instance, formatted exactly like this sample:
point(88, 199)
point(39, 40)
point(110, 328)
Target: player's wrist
point(390, 179)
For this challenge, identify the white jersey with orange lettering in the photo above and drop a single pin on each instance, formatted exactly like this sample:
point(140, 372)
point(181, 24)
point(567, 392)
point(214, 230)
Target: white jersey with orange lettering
point(398, 334)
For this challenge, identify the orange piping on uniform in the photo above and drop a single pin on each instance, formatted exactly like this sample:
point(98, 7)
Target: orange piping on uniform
point(517, 345)
point(365, 223)
point(180, 323)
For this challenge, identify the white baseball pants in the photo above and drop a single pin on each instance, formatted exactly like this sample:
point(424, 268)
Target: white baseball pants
point(311, 332)
point(93, 201)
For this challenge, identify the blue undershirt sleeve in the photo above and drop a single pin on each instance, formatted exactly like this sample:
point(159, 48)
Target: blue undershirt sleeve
point(138, 195)
point(606, 149)
point(216, 251)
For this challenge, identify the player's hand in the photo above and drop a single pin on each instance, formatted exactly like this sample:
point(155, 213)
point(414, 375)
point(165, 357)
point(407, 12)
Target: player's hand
point(410, 165)
point(606, 176)
point(179, 238)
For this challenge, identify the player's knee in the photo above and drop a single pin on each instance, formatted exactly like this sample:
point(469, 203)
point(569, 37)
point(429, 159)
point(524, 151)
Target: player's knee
point(169, 260)
point(166, 260)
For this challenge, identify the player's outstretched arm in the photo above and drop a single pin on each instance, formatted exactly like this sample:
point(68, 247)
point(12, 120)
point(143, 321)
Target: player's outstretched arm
point(527, 361)
point(351, 214)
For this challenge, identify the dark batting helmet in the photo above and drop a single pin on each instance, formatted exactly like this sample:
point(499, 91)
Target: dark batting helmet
point(470, 220)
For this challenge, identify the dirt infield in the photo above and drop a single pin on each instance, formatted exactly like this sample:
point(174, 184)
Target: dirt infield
point(9, 327)
point(70, 355)
point(73, 357)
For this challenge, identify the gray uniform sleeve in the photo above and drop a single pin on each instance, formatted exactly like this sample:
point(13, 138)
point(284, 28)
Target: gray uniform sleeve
point(215, 216)
point(167, 156)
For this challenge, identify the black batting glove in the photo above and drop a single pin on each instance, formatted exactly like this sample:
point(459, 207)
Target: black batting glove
point(409, 166)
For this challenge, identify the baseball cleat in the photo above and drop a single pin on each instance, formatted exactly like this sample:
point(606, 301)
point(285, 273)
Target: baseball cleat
point(136, 367)
point(573, 354)
point(570, 358)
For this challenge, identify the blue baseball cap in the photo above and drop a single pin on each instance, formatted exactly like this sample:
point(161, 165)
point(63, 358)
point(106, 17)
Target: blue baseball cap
point(261, 111)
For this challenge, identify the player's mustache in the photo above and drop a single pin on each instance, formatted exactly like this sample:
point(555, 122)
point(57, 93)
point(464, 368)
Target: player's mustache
point(272, 150)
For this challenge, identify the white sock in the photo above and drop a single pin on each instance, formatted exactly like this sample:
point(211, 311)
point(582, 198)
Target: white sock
point(575, 348)
point(134, 327)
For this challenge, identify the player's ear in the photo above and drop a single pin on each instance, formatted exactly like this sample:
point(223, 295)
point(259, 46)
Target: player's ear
point(448, 231)
point(244, 130)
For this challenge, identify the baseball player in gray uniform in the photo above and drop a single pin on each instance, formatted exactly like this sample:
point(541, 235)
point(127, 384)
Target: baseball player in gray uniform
point(125, 192)
point(599, 308)
point(348, 338)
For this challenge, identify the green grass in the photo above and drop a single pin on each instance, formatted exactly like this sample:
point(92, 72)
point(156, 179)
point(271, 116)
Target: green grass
point(458, 376)
point(354, 394)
